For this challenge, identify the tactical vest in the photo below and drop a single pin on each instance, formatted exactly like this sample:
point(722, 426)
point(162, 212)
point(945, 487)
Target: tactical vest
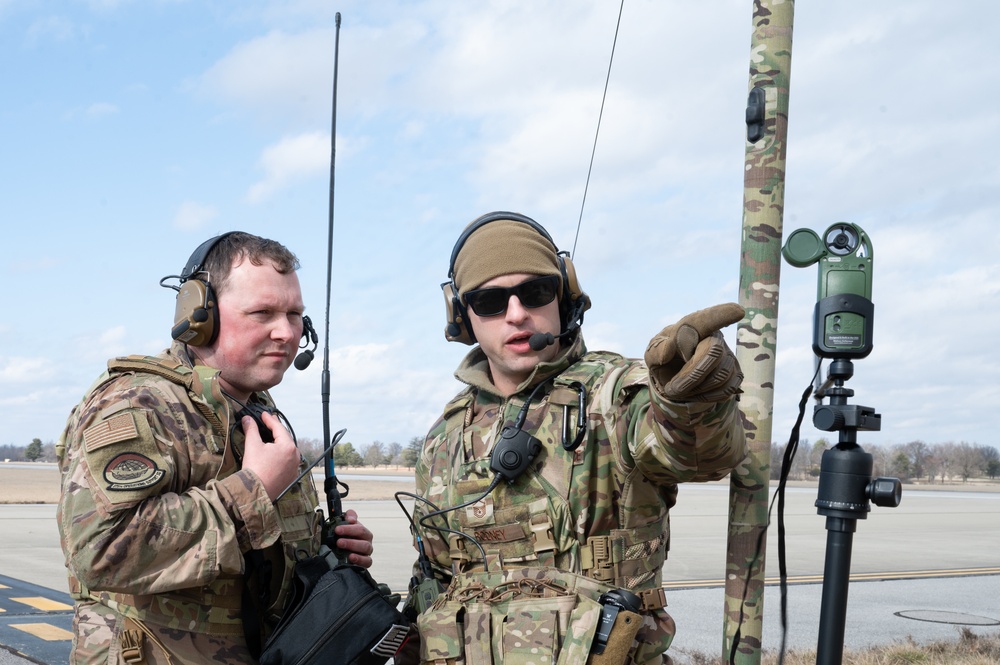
point(580, 511)
point(215, 608)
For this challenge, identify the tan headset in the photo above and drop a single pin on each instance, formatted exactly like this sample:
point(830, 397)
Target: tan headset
point(572, 305)
point(196, 316)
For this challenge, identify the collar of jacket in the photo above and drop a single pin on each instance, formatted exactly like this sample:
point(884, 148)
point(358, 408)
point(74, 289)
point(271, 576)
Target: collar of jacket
point(474, 369)
point(206, 384)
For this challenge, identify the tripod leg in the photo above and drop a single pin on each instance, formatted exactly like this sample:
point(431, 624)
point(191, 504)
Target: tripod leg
point(836, 576)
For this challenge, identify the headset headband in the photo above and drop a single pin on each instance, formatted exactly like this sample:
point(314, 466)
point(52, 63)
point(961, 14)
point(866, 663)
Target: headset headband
point(197, 261)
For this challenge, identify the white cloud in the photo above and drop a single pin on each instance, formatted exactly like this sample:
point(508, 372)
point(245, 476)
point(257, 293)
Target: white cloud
point(193, 216)
point(99, 109)
point(276, 74)
point(19, 369)
point(293, 158)
point(51, 29)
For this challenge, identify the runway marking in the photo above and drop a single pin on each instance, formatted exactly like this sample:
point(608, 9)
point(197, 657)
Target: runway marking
point(44, 631)
point(43, 604)
point(816, 579)
point(855, 577)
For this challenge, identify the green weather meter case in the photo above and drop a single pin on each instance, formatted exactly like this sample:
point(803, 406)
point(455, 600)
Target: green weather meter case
point(844, 314)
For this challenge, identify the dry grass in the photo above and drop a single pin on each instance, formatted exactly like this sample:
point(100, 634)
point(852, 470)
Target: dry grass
point(41, 485)
point(969, 649)
point(29, 485)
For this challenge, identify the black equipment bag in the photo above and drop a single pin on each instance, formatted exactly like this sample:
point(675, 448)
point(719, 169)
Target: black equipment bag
point(337, 615)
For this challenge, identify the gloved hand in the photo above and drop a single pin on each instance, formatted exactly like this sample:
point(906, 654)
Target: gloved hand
point(689, 361)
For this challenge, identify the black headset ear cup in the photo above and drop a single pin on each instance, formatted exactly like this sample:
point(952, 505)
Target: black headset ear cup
point(196, 316)
point(458, 328)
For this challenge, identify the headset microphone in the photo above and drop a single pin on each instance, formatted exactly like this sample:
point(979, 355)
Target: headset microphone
point(303, 359)
point(309, 333)
point(539, 341)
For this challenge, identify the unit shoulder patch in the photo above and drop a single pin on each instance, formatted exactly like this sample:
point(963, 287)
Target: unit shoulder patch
point(131, 471)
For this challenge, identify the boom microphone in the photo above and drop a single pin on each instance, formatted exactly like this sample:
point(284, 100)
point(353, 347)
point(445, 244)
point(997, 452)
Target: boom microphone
point(539, 341)
point(309, 334)
point(303, 359)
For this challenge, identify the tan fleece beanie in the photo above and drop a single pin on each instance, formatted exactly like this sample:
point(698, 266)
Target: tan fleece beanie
point(504, 247)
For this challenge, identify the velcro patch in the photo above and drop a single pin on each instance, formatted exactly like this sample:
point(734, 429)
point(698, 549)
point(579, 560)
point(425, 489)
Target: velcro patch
point(116, 428)
point(500, 534)
point(131, 471)
point(480, 513)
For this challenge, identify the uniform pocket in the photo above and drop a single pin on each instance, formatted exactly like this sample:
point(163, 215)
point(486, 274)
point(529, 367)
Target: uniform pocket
point(530, 636)
point(442, 634)
point(549, 630)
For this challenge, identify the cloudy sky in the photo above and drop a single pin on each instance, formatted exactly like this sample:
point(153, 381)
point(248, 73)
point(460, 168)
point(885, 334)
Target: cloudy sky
point(132, 131)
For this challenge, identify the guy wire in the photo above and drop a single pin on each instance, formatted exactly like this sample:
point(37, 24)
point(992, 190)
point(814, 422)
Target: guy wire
point(597, 133)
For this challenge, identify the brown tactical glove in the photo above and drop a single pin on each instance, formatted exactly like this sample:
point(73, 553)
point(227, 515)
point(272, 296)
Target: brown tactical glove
point(689, 361)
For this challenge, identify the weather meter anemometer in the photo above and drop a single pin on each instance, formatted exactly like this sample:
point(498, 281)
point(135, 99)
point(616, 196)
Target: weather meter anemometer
point(844, 314)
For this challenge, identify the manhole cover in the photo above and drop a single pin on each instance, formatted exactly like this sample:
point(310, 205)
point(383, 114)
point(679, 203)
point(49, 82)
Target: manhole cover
point(938, 616)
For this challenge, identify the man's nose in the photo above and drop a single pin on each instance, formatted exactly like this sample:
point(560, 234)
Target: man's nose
point(516, 312)
point(286, 329)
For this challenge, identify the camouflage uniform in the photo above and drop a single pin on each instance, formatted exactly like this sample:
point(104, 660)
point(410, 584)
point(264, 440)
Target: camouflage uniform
point(600, 511)
point(156, 516)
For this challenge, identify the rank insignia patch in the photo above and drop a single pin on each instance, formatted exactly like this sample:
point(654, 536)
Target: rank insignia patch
point(131, 471)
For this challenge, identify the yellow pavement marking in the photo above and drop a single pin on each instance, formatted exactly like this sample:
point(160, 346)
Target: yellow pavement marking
point(854, 577)
point(4, 586)
point(43, 604)
point(44, 631)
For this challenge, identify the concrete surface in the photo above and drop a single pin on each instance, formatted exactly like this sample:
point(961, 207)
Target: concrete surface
point(931, 534)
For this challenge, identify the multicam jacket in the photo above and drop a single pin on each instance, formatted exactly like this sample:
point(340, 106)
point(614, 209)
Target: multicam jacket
point(601, 508)
point(156, 515)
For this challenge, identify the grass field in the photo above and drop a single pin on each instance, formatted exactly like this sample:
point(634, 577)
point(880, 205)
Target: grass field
point(40, 484)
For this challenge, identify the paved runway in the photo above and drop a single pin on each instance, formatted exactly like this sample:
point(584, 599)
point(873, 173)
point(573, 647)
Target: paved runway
point(932, 566)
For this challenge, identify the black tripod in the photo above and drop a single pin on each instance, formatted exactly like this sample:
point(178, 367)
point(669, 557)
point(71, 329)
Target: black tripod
point(845, 488)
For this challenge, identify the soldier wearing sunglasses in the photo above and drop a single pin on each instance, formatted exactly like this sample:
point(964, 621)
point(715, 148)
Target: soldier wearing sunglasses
point(548, 479)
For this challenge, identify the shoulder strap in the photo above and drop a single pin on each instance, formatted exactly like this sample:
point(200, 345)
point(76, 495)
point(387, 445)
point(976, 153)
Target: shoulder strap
point(197, 381)
point(170, 370)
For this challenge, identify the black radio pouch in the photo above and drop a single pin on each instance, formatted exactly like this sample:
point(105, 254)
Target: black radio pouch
point(336, 615)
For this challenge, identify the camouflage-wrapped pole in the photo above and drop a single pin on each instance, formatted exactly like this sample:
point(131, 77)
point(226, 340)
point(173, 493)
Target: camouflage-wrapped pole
point(760, 267)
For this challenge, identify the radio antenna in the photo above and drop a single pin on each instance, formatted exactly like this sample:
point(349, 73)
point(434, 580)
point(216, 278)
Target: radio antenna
point(333, 495)
point(597, 133)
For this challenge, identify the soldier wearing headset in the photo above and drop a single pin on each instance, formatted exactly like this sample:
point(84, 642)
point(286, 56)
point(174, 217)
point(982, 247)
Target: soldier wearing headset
point(547, 482)
point(168, 484)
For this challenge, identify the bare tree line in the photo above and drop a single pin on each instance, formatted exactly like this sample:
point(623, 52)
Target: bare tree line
point(913, 461)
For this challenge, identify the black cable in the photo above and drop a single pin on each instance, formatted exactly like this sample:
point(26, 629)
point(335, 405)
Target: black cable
point(422, 559)
point(493, 485)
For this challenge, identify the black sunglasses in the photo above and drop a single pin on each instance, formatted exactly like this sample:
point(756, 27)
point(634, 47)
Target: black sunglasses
point(532, 293)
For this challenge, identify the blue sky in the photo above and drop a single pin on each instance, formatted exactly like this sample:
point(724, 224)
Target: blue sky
point(132, 131)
